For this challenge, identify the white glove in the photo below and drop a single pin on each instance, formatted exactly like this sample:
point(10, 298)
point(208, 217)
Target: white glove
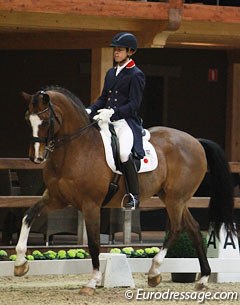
point(88, 110)
point(104, 114)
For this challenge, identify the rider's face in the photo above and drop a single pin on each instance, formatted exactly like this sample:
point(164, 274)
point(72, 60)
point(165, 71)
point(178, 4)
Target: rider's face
point(120, 55)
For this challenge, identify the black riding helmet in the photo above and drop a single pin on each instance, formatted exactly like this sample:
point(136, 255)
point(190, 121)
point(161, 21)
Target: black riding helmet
point(124, 40)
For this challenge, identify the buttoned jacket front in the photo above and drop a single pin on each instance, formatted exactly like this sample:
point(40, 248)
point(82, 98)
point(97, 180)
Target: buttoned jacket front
point(124, 93)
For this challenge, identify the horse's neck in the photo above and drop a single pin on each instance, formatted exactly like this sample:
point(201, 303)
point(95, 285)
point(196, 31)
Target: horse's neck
point(79, 133)
point(72, 119)
point(76, 153)
point(77, 139)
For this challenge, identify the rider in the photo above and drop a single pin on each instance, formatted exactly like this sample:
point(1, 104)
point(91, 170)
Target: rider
point(120, 100)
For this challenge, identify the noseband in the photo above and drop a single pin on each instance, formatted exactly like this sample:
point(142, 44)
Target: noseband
point(51, 142)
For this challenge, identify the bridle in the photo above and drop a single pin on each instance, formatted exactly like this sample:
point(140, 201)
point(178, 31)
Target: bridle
point(51, 141)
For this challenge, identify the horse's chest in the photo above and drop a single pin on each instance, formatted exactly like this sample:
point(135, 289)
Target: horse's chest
point(66, 189)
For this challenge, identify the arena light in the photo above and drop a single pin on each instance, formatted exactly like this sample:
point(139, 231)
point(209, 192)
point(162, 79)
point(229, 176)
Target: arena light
point(202, 44)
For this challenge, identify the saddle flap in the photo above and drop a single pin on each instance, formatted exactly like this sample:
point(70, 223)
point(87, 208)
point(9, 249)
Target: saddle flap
point(148, 163)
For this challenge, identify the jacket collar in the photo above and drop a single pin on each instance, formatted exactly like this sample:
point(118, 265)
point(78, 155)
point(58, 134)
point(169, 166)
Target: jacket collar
point(130, 64)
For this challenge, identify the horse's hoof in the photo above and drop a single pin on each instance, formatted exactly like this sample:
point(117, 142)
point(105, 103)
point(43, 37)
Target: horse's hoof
point(154, 281)
point(21, 270)
point(87, 291)
point(200, 287)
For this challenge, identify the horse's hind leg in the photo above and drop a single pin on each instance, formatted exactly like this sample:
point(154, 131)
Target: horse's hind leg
point(192, 227)
point(21, 265)
point(175, 210)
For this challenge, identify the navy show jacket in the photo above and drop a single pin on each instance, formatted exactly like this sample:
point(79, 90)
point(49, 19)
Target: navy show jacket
point(124, 93)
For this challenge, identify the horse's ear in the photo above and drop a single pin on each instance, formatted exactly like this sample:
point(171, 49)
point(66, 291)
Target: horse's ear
point(27, 97)
point(46, 98)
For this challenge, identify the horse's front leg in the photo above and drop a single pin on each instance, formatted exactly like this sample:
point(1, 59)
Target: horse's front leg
point(92, 219)
point(21, 265)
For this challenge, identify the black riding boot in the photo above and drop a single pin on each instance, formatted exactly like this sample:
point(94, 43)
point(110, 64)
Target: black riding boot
point(132, 187)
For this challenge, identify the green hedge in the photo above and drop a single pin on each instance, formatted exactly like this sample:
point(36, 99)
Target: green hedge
point(80, 254)
point(49, 255)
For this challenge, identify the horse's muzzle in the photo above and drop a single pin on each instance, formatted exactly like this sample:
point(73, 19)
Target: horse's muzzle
point(38, 160)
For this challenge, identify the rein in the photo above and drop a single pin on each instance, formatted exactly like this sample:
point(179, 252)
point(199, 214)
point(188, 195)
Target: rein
point(67, 138)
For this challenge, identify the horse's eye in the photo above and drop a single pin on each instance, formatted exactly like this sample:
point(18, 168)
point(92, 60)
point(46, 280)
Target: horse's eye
point(45, 123)
point(28, 121)
point(27, 115)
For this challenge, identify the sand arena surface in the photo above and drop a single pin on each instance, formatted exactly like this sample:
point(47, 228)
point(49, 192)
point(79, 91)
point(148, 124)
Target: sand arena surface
point(64, 290)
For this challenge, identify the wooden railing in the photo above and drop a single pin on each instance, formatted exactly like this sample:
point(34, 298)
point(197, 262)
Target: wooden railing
point(18, 163)
point(151, 203)
point(18, 201)
point(194, 202)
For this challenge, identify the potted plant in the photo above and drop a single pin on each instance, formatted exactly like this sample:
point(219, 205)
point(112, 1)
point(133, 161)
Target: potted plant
point(183, 248)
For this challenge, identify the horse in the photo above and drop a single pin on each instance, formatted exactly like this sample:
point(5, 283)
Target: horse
point(76, 173)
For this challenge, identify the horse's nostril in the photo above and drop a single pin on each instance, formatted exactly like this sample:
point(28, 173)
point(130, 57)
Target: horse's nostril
point(38, 160)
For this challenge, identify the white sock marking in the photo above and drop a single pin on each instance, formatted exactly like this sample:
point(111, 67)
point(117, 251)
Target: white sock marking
point(156, 263)
point(21, 247)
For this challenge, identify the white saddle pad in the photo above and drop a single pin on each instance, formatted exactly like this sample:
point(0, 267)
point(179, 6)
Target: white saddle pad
point(148, 163)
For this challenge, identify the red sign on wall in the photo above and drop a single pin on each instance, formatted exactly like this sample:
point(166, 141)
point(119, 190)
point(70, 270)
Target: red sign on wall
point(212, 75)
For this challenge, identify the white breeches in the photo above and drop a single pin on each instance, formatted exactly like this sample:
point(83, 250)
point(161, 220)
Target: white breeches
point(125, 138)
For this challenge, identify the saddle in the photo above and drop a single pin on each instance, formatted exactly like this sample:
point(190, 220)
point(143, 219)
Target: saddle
point(111, 146)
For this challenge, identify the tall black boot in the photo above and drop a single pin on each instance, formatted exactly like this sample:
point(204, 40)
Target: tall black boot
point(131, 180)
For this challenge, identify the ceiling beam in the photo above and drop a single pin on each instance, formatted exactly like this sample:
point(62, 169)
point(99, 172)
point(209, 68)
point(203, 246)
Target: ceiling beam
point(103, 8)
point(122, 9)
point(90, 24)
point(207, 34)
point(211, 13)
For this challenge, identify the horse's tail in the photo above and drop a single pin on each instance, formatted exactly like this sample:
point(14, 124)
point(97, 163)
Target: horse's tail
point(221, 205)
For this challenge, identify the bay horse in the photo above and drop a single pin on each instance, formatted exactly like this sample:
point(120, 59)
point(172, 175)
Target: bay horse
point(76, 173)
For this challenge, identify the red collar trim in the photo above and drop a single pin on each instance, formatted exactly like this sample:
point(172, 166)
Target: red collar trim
point(131, 64)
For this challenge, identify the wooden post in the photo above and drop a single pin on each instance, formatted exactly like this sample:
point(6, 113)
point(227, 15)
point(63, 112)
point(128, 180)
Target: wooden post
point(82, 233)
point(102, 60)
point(233, 122)
point(127, 226)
